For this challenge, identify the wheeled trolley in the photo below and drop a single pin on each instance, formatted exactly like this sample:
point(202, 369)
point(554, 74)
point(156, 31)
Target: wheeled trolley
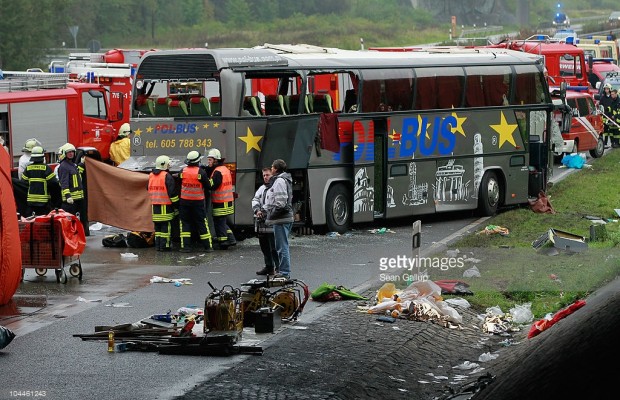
point(54, 241)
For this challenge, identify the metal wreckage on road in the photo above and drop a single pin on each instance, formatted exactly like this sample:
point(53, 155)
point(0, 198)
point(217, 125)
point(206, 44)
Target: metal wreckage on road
point(217, 329)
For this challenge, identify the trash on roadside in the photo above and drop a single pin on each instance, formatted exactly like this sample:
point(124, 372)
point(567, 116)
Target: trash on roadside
point(494, 229)
point(83, 300)
point(541, 205)
point(466, 365)
point(472, 272)
point(522, 314)
point(420, 301)
point(574, 160)
point(453, 286)
point(459, 302)
point(381, 231)
point(329, 292)
point(6, 336)
point(159, 279)
point(544, 324)
point(561, 240)
point(119, 305)
point(97, 226)
point(129, 255)
point(485, 357)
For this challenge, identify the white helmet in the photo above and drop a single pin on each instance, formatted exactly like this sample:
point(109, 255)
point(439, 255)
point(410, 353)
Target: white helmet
point(214, 153)
point(193, 157)
point(30, 143)
point(162, 162)
point(64, 149)
point(37, 152)
point(607, 86)
point(125, 130)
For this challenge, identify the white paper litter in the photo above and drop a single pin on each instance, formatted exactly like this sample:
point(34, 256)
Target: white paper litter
point(129, 255)
point(160, 279)
point(96, 226)
point(484, 357)
point(83, 300)
point(466, 365)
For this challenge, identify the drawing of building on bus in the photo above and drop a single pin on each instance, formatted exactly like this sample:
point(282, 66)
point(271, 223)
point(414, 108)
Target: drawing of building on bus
point(363, 193)
point(449, 185)
point(478, 164)
point(416, 194)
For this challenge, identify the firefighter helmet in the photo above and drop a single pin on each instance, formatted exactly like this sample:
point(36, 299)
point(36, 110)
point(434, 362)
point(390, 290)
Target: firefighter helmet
point(607, 86)
point(37, 152)
point(162, 162)
point(30, 143)
point(215, 153)
point(64, 149)
point(125, 130)
point(193, 157)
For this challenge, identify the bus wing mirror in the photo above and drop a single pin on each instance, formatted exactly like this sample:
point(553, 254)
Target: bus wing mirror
point(95, 93)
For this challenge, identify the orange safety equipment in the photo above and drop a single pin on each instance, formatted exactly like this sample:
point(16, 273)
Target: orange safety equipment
point(191, 187)
point(224, 193)
point(158, 190)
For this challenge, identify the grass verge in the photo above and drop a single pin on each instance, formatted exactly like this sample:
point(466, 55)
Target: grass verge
point(512, 272)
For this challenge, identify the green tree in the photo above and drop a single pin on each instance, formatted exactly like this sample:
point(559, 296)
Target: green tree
point(27, 29)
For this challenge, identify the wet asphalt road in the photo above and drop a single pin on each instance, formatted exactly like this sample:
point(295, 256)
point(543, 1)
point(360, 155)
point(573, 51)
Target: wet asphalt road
point(46, 357)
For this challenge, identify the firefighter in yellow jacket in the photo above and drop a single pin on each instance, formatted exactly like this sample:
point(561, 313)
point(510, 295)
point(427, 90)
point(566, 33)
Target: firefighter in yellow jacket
point(222, 198)
point(192, 208)
point(120, 148)
point(164, 202)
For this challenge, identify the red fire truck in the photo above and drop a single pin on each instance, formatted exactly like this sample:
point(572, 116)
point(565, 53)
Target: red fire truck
point(49, 107)
point(113, 70)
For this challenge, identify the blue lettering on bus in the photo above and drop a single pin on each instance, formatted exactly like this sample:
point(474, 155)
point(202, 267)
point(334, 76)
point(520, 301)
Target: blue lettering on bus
point(413, 136)
point(179, 128)
point(446, 132)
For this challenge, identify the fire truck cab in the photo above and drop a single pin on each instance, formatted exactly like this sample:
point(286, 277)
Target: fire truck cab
point(54, 110)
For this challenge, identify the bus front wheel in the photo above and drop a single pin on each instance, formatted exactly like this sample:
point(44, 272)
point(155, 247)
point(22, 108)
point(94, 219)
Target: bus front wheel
point(338, 209)
point(489, 194)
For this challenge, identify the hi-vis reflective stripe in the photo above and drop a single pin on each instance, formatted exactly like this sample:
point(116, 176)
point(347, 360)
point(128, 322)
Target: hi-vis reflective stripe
point(225, 192)
point(191, 188)
point(158, 190)
point(222, 209)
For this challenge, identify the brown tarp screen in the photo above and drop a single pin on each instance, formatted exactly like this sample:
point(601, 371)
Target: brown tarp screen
point(118, 197)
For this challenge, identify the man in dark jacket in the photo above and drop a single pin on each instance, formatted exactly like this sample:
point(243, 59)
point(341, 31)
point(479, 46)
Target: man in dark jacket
point(279, 208)
point(70, 180)
point(40, 177)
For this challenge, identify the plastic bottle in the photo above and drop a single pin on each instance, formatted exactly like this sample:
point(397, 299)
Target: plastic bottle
point(111, 341)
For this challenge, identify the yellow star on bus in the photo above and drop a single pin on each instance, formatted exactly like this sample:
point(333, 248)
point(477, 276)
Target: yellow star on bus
point(251, 141)
point(505, 131)
point(138, 132)
point(425, 129)
point(459, 124)
point(149, 129)
point(206, 126)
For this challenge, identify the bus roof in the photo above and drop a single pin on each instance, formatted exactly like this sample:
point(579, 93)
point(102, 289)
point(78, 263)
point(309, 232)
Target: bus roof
point(198, 63)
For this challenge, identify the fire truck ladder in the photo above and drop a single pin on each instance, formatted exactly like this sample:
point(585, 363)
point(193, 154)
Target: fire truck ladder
point(19, 81)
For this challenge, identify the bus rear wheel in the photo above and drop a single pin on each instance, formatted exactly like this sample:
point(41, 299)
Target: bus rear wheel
point(338, 209)
point(489, 194)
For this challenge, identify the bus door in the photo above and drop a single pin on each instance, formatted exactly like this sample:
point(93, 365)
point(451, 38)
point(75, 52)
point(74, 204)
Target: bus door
point(368, 193)
point(292, 138)
point(410, 175)
point(538, 147)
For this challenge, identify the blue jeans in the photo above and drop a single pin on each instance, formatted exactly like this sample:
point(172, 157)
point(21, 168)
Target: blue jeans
point(281, 232)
